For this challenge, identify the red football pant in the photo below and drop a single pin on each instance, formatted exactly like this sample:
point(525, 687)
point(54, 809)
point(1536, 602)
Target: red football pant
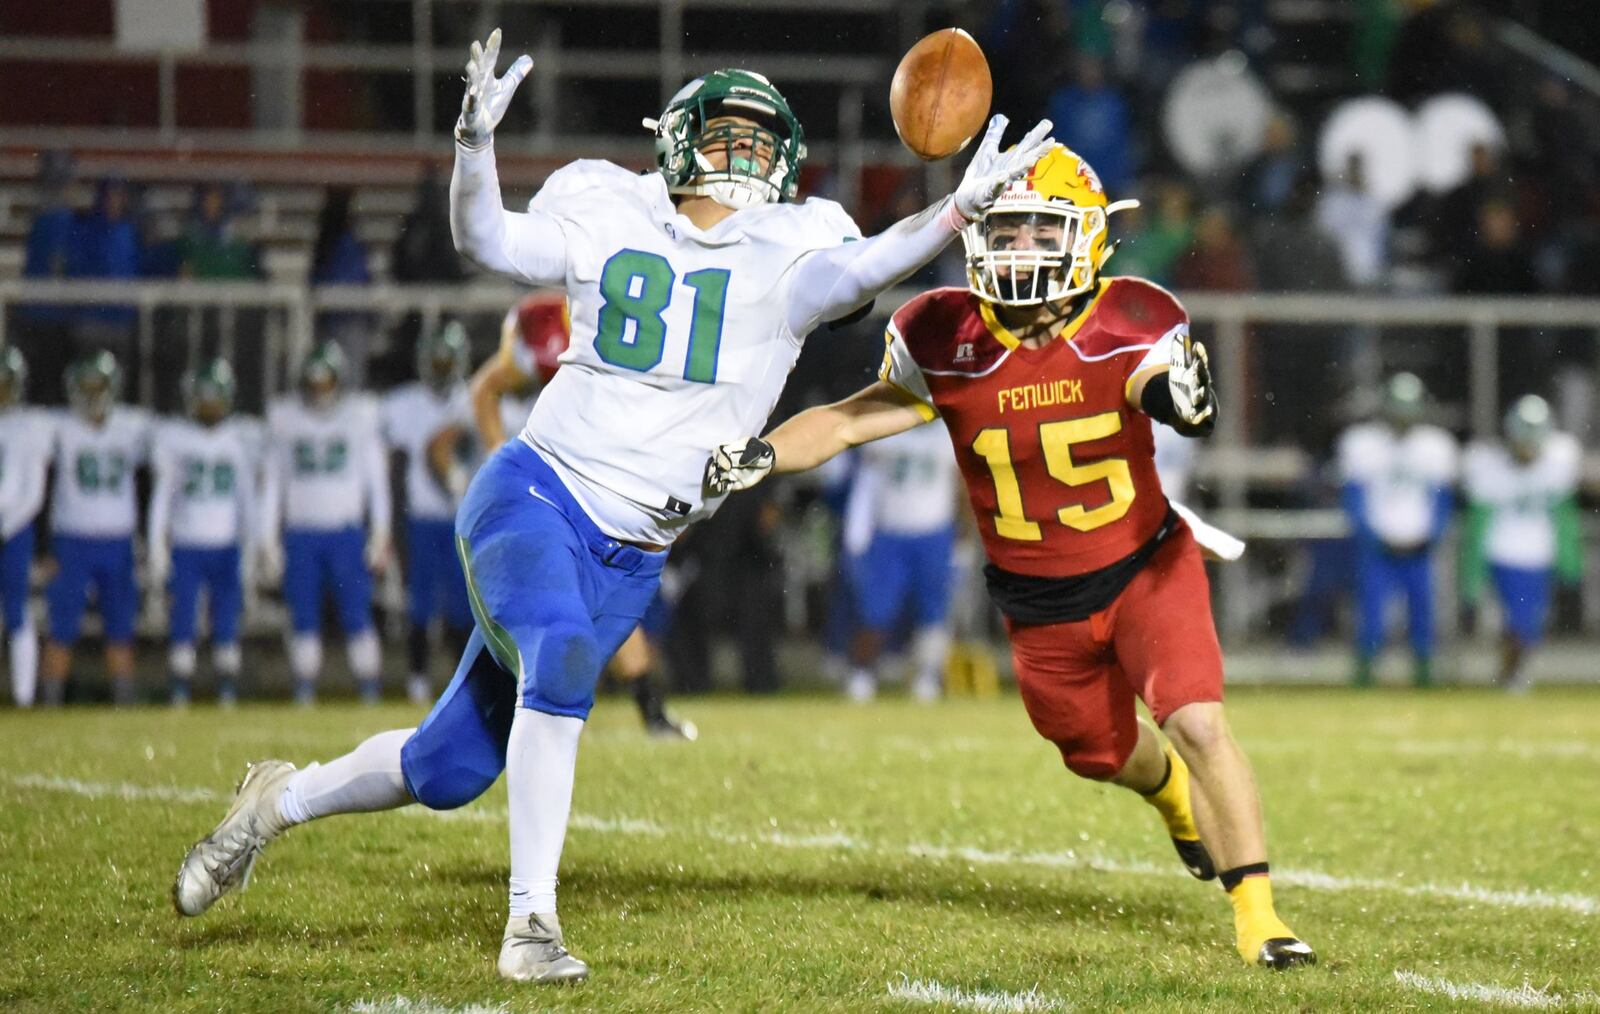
point(1155, 640)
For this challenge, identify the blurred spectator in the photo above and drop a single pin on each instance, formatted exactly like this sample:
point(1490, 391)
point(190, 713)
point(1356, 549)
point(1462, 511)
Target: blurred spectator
point(1291, 252)
point(1218, 260)
point(1443, 46)
point(425, 251)
point(1377, 27)
point(338, 258)
point(1451, 218)
point(1358, 224)
point(1023, 38)
point(1158, 236)
point(43, 332)
point(1269, 178)
point(106, 246)
point(1093, 118)
point(1497, 261)
point(209, 247)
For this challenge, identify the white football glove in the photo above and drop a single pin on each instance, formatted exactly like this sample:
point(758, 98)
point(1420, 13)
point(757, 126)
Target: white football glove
point(1189, 380)
point(738, 465)
point(992, 170)
point(487, 96)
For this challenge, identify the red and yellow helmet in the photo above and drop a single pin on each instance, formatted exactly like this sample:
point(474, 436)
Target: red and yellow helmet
point(1044, 238)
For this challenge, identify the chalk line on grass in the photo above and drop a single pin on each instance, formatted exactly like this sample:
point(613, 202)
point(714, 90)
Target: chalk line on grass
point(1526, 995)
point(988, 1001)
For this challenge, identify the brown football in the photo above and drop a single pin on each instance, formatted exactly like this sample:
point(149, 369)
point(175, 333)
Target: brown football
point(940, 95)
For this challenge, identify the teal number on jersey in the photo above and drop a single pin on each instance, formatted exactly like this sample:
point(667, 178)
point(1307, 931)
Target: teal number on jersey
point(207, 478)
point(705, 334)
point(95, 475)
point(311, 458)
point(637, 286)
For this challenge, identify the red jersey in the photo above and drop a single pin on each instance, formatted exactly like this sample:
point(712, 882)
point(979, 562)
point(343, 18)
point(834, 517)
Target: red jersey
point(535, 334)
point(1060, 469)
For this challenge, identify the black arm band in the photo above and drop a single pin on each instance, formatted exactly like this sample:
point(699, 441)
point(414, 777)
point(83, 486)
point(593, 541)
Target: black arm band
point(1156, 401)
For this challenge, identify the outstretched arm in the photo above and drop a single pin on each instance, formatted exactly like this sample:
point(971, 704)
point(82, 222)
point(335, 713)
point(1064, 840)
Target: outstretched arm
point(529, 246)
point(836, 280)
point(1174, 386)
point(814, 436)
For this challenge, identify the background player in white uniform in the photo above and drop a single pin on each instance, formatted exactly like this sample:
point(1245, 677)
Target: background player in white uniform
point(99, 444)
point(1523, 527)
point(899, 534)
point(202, 514)
point(1397, 473)
point(26, 435)
point(690, 291)
point(327, 488)
point(413, 415)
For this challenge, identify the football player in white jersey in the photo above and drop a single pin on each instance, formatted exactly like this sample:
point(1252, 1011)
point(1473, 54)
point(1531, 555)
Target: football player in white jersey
point(691, 291)
point(26, 435)
point(327, 489)
point(413, 415)
point(99, 444)
point(1523, 526)
point(201, 516)
point(899, 538)
point(1397, 477)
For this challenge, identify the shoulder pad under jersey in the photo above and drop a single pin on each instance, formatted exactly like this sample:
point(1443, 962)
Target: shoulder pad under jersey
point(1130, 313)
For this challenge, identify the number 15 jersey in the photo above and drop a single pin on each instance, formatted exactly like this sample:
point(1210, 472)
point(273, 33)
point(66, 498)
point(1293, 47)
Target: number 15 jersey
point(1059, 468)
point(680, 337)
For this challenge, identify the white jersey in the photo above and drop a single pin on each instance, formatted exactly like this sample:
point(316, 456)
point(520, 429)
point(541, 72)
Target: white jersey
point(904, 485)
point(205, 484)
point(1521, 498)
point(325, 470)
point(1401, 474)
point(1174, 461)
point(680, 341)
point(27, 436)
point(94, 487)
point(412, 415)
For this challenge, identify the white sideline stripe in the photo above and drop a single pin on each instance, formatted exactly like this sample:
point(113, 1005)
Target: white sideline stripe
point(1579, 904)
point(406, 1005)
point(998, 1002)
point(1525, 995)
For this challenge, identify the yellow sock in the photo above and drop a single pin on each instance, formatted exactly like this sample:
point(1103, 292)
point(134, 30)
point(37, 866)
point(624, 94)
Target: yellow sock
point(1172, 799)
point(1254, 919)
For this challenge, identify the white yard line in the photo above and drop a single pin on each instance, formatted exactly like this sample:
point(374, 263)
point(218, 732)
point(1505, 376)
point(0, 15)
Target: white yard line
point(1578, 904)
point(1526, 995)
point(406, 1005)
point(989, 1001)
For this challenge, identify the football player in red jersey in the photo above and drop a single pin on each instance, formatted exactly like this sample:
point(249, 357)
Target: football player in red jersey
point(1048, 378)
point(532, 339)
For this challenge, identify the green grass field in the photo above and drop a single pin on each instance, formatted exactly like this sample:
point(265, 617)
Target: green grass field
point(806, 855)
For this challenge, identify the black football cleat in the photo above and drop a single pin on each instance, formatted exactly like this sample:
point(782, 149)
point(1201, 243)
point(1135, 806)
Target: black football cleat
point(1281, 953)
point(1196, 859)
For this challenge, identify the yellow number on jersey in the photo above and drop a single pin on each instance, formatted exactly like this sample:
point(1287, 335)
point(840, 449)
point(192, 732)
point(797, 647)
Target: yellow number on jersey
point(1056, 440)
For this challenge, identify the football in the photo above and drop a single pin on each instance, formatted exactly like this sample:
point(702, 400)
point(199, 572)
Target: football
point(940, 95)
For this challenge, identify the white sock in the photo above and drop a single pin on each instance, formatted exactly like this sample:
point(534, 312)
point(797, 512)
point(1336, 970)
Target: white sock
point(181, 660)
point(305, 656)
point(930, 647)
point(24, 651)
point(540, 762)
point(365, 779)
point(228, 660)
point(365, 655)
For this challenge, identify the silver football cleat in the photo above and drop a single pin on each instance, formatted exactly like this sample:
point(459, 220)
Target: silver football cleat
point(222, 860)
point(533, 951)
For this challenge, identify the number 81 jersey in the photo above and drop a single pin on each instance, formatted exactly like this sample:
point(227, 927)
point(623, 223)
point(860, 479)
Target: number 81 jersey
point(680, 337)
point(1059, 468)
